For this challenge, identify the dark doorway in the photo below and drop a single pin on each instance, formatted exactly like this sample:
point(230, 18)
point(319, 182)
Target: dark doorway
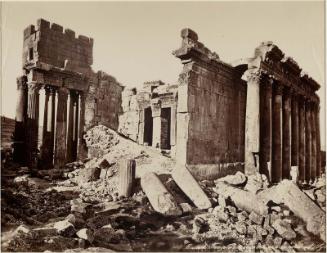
point(165, 128)
point(148, 126)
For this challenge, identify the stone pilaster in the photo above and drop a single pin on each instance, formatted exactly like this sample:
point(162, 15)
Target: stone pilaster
point(308, 144)
point(286, 135)
point(265, 125)
point(20, 121)
point(156, 115)
point(295, 131)
point(313, 143)
point(252, 124)
point(32, 124)
point(61, 129)
point(276, 171)
point(173, 126)
point(301, 139)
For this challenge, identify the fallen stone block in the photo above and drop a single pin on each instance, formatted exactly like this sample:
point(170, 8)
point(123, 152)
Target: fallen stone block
point(65, 228)
point(256, 182)
point(256, 218)
point(299, 203)
point(242, 199)
point(104, 164)
point(190, 187)
point(238, 179)
point(106, 234)
point(44, 232)
point(284, 229)
point(159, 197)
point(186, 208)
point(85, 234)
point(89, 174)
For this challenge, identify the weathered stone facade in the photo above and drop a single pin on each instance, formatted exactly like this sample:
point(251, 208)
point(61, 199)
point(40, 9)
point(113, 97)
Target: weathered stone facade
point(76, 98)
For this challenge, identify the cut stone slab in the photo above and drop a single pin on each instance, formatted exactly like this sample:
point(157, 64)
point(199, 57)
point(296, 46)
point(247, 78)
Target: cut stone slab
point(65, 228)
point(242, 199)
point(299, 203)
point(159, 197)
point(284, 229)
point(85, 234)
point(238, 179)
point(190, 187)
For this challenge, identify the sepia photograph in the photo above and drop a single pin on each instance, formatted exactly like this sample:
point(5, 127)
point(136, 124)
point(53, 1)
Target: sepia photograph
point(163, 126)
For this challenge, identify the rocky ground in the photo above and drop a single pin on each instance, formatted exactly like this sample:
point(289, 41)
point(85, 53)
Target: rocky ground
point(79, 208)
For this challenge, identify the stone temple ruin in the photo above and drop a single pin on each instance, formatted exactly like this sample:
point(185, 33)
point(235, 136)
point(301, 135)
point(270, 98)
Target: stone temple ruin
point(259, 114)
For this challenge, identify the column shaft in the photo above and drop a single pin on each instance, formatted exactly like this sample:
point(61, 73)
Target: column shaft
point(307, 142)
point(75, 130)
point(72, 100)
point(295, 131)
point(318, 169)
point(61, 129)
point(265, 126)
point(313, 143)
point(286, 136)
point(301, 140)
point(32, 124)
point(276, 173)
point(20, 121)
point(82, 149)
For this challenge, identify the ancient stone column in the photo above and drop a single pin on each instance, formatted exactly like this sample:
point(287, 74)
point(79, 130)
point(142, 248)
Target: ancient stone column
point(295, 131)
point(60, 156)
point(265, 125)
point(82, 149)
point(73, 101)
point(32, 124)
point(308, 144)
point(252, 124)
point(20, 121)
point(276, 170)
point(48, 129)
point(313, 143)
point(318, 169)
point(286, 136)
point(301, 139)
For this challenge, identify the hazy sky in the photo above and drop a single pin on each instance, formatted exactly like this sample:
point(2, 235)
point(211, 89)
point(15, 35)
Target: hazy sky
point(133, 41)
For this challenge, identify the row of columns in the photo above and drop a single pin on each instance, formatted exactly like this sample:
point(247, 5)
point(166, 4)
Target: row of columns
point(289, 133)
point(61, 135)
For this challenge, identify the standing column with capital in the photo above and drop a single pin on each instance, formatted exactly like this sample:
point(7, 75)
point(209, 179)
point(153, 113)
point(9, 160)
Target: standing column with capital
point(286, 136)
point(265, 125)
point(313, 143)
point(32, 124)
point(48, 129)
point(61, 129)
point(301, 139)
point(19, 154)
point(276, 170)
point(307, 142)
point(295, 130)
point(156, 134)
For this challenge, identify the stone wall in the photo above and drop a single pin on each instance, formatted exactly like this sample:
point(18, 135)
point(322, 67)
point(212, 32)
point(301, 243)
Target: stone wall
point(103, 103)
point(51, 44)
point(211, 107)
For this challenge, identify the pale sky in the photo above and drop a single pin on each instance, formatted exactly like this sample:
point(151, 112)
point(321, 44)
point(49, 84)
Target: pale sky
point(133, 41)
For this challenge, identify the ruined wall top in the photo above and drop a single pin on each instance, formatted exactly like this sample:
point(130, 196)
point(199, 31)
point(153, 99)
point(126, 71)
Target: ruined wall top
point(50, 44)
